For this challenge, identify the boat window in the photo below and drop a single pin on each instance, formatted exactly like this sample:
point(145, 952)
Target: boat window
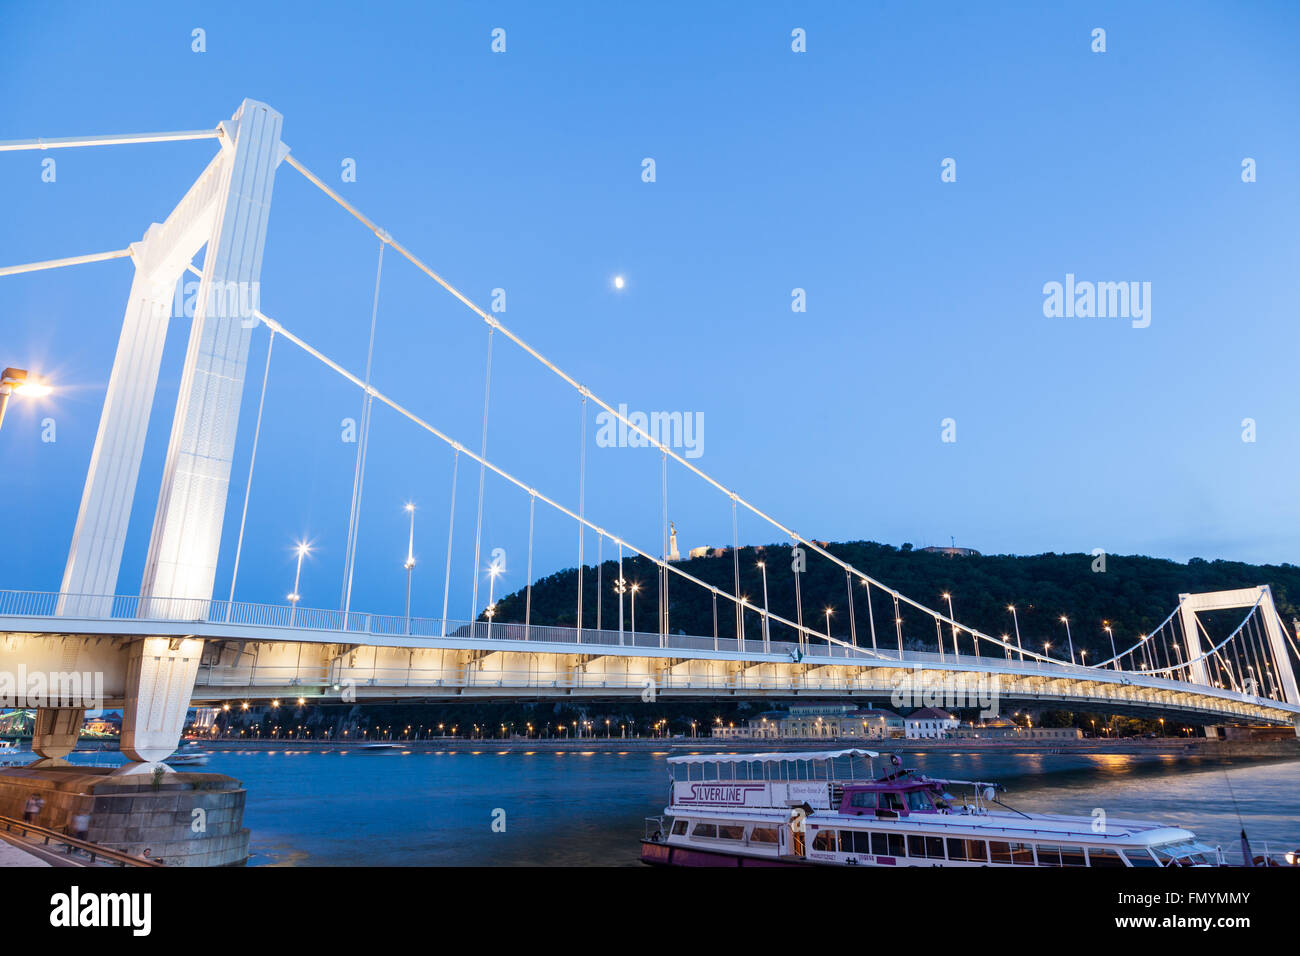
point(742, 770)
point(1072, 856)
point(804, 773)
point(724, 770)
point(1104, 857)
point(705, 830)
point(819, 769)
point(863, 798)
point(787, 770)
point(757, 770)
point(697, 771)
point(763, 835)
point(825, 840)
point(678, 771)
point(926, 847)
point(891, 801)
point(887, 844)
point(1139, 857)
point(731, 831)
point(918, 800)
point(679, 828)
point(1018, 853)
point(710, 771)
point(956, 848)
point(1049, 855)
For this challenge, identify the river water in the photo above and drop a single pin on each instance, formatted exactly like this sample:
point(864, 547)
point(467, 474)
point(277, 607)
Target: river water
point(565, 809)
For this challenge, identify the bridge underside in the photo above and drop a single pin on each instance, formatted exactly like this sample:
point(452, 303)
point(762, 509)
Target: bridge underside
point(154, 678)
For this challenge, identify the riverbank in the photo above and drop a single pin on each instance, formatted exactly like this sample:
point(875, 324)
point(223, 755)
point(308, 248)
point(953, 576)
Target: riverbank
point(1168, 746)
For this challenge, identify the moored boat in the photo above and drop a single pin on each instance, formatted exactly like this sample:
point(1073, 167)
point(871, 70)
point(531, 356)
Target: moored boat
point(831, 808)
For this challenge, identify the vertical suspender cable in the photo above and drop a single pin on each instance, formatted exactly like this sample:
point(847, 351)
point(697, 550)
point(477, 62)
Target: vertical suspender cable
point(600, 560)
point(582, 504)
point(358, 477)
point(853, 627)
point(482, 472)
point(663, 566)
point(528, 594)
point(451, 526)
point(622, 586)
point(871, 617)
point(248, 488)
point(735, 565)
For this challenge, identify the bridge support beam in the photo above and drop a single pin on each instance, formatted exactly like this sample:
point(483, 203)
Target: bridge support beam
point(160, 676)
point(186, 539)
point(56, 731)
point(1190, 604)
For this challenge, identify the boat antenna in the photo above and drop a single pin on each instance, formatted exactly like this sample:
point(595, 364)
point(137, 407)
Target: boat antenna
point(1247, 858)
point(1011, 808)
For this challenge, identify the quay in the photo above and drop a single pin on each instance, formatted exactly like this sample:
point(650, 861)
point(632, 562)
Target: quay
point(1157, 747)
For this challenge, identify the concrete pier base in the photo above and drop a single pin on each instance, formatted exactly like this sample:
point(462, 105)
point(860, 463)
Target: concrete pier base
point(181, 818)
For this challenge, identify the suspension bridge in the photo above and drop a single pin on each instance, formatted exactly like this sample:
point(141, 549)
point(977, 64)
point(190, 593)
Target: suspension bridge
point(174, 642)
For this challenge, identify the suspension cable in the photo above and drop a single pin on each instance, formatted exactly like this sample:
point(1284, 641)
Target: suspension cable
point(451, 527)
point(248, 488)
point(482, 472)
point(359, 476)
point(616, 413)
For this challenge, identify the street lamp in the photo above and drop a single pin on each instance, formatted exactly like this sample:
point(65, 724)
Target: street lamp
point(829, 612)
point(1066, 621)
point(953, 618)
point(1115, 657)
point(16, 381)
point(767, 637)
point(635, 589)
point(493, 572)
point(410, 563)
point(1016, 621)
point(303, 549)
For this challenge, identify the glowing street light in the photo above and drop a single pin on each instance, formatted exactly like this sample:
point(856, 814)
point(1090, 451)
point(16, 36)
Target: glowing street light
point(767, 636)
point(410, 563)
point(493, 572)
point(303, 549)
point(634, 589)
point(1066, 621)
point(1016, 620)
point(829, 611)
point(17, 381)
point(1105, 626)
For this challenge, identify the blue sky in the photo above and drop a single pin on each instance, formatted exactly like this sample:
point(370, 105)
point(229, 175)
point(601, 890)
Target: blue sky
point(775, 170)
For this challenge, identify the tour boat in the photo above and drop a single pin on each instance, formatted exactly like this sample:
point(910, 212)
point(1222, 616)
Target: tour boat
point(831, 808)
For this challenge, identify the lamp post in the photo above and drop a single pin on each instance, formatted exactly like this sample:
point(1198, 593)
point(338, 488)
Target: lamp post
point(620, 588)
point(410, 563)
point(767, 636)
point(953, 619)
point(635, 588)
point(829, 611)
point(1114, 657)
point(1069, 640)
point(493, 571)
point(17, 381)
point(303, 549)
point(1016, 620)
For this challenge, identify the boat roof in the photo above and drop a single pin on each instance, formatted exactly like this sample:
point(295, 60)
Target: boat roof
point(791, 755)
point(992, 826)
